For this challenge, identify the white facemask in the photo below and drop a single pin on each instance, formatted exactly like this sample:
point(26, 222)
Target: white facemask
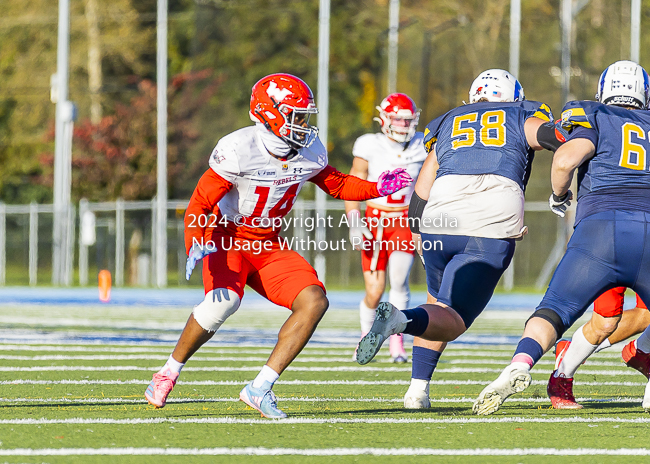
point(274, 144)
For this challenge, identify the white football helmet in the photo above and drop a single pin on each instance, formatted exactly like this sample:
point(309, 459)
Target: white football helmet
point(496, 85)
point(624, 83)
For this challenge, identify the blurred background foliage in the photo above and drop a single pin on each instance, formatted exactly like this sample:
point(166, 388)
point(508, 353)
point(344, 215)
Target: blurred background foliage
point(219, 48)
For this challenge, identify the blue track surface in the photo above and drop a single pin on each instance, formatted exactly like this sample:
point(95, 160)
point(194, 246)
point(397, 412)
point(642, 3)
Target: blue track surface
point(191, 297)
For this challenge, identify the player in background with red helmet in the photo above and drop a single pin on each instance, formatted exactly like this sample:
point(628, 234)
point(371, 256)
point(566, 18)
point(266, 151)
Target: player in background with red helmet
point(254, 178)
point(385, 231)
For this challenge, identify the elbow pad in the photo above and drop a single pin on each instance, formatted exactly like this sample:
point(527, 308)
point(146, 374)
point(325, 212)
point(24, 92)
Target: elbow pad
point(548, 136)
point(416, 207)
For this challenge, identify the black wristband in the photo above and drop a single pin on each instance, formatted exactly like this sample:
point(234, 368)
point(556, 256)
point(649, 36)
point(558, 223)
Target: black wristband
point(546, 137)
point(416, 207)
point(560, 199)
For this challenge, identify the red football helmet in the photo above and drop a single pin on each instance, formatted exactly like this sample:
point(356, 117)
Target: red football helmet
point(398, 117)
point(283, 103)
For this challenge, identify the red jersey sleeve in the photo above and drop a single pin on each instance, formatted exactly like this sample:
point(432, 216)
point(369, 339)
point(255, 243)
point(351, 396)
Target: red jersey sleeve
point(210, 189)
point(343, 186)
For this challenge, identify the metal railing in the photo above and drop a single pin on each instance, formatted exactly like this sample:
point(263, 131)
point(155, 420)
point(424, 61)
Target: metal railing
point(24, 231)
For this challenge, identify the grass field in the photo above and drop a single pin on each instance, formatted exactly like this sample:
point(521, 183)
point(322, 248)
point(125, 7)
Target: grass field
point(73, 377)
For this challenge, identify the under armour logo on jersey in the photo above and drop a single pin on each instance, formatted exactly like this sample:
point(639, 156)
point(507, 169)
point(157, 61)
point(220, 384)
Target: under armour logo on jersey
point(274, 92)
point(297, 170)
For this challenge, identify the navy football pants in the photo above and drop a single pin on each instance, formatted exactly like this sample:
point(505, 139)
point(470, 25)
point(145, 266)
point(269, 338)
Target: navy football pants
point(464, 273)
point(608, 249)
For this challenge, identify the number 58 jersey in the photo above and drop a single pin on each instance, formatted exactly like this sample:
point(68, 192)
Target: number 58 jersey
point(485, 138)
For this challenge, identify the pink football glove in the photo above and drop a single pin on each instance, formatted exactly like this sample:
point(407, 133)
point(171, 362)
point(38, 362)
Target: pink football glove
point(392, 181)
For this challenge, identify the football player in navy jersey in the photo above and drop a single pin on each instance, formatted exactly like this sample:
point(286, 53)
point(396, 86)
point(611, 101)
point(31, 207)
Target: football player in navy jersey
point(607, 142)
point(468, 207)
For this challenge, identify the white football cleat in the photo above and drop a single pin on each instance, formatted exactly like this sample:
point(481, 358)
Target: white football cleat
point(646, 398)
point(417, 399)
point(512, 380)
point(388, 321)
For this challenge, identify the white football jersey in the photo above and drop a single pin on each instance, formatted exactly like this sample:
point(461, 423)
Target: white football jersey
point(383, 154)
point(264, 186)
point(482, 205)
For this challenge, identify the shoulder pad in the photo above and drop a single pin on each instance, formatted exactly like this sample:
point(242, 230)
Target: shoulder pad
point(431, 132)
point(579, 113)
point(538, 110)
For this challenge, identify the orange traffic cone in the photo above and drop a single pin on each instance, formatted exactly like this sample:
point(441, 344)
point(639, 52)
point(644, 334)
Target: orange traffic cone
point(104, 279)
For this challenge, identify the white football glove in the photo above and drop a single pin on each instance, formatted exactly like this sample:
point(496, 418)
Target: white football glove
point(196, 254)
point(358, 230)
point(559, 205)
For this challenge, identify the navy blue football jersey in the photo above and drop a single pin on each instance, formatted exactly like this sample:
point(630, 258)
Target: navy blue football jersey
point(621, 140)
point(485, 138)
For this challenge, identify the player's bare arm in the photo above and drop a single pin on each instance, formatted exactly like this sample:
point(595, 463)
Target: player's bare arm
point(541, 134)
point(427, 175)
point(565, 161)
point(422, 188)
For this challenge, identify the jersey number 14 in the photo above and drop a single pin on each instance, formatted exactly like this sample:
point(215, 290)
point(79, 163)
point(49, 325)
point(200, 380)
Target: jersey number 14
point(281, 208)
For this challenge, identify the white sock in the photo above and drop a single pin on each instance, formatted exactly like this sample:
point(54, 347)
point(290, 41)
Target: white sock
point(643, 342)
point(603, 345)
point(366, 316)
point(173, 365)
point(266, 375)
point(419, 385)
point(518, 366)
point(577, 353)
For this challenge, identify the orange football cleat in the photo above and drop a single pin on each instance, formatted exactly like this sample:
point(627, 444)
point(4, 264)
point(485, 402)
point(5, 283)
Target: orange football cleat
point(636, 359)
point(560, 350)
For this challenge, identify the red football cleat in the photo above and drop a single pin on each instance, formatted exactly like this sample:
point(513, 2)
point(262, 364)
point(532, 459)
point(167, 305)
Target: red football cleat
point(560, 350)
point(560, 391)
point(636, 359)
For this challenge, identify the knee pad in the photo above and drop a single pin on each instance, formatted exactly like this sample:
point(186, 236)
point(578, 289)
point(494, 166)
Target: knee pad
point(552, 318)
point(218, 305)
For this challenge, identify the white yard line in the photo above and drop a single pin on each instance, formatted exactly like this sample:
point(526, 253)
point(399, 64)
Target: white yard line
point(163, 358)
point(293, 420)
point(300, 359)
point(251, 451)
point(94, 400)
point(498, 350)
point(293, 382)
point(355, 368)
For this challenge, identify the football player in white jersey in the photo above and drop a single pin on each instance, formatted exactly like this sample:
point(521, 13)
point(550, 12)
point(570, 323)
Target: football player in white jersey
point(385, 231)
point(232, 223)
